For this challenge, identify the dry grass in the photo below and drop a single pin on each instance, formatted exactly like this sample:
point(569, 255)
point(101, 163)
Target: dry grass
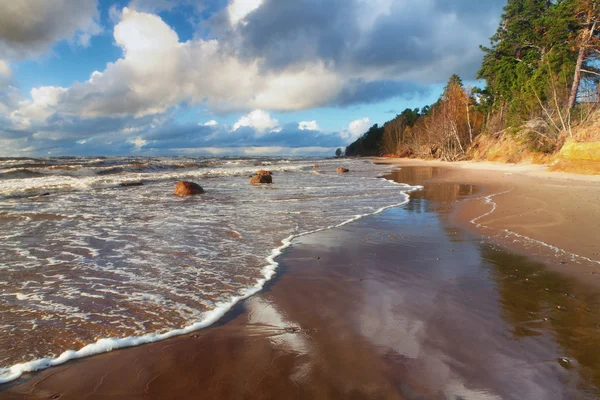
point(506, 149)
point(585, 167)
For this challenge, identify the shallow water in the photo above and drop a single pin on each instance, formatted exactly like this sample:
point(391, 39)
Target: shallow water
point(91, 259)
point(400, 305)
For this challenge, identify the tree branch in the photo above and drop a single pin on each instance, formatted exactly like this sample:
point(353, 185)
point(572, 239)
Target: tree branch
point(590, 72)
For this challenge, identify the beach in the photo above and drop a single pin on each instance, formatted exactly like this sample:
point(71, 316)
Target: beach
point(552, 216)
point(482, 286)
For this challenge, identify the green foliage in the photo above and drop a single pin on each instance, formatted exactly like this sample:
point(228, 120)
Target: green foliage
point(368, 144)
point(530, 55)
point(530, 70)
point(408, 117)
point(453, 81)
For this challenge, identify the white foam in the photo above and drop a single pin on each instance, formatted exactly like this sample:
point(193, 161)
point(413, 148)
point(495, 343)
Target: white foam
point(210, 317)
point(58, 183)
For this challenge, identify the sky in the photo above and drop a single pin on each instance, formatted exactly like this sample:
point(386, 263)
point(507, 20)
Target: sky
point(224, 77)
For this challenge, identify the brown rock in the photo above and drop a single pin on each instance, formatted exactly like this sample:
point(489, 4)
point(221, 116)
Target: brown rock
point(264, 172)
point(315, 166)
point(188, 189)
point(235, 235)
point(261, 179)
point(342, 170)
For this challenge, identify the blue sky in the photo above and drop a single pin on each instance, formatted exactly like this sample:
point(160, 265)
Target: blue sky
point(89, 77)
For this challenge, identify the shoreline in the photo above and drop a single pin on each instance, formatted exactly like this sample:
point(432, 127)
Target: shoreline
point(551, 216)
point(301, 271)
point(105, 345)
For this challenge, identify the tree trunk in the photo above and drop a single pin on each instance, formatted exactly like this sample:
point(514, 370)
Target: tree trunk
point(469, 122)
point(576, 79)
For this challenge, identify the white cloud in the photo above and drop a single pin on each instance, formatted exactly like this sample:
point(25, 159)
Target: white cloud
point(270, 55)
point(356, 129)
point(43, 104)
point(5, 69)
point(5, 79)
point(138, 142)
point(239, 9)
point(212, 122)
point(308, 125)
point(30, 27)
point(260, 120)
point(158, 72)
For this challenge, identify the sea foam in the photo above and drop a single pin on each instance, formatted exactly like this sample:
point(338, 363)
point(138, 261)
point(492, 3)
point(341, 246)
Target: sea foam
point(108, 344)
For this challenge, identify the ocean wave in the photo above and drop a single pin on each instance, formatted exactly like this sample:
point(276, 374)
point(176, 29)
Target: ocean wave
point(108, 344)
point(209, 251)
point(19, 173)
point(35, 183)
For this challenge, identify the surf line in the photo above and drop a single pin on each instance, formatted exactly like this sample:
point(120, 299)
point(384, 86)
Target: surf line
point(106, 345)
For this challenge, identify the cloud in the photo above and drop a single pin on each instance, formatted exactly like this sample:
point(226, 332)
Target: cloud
point(44, 100)
point(30, 27)
point(360, 91)
point(260, 120)
point(158, 72)
point(356, 129)
point(239, 9)
point(152, 6)
point(395, 40)
point(308, 125)
point(262, 55)
point(342, 61)
point(138, 143)
point(154, 135)
point(5, 69)
point(211, 123)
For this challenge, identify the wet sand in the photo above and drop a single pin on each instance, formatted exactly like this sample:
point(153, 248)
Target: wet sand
point(554, 217)
point(408, 304)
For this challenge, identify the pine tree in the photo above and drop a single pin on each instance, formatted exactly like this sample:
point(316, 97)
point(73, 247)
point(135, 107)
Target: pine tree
point(587, 42)
point(529, 50)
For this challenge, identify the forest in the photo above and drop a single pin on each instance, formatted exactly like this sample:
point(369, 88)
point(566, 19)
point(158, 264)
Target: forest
point(541, 73)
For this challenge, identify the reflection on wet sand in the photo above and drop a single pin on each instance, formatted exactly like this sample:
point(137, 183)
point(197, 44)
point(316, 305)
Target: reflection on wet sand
point(402, 305)
point(541, 303)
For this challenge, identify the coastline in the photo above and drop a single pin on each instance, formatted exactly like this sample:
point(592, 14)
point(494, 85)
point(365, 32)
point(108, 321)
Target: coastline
point(551, 216)
point(212, 317)
point(301, 337)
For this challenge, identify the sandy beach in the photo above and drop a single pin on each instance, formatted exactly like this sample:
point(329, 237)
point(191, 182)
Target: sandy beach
point(552, 216)
point(435, 299)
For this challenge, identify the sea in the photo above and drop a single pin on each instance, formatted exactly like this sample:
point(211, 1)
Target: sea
point(98, 254)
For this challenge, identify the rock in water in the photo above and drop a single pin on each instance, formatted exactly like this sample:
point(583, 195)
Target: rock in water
point(188, 189)
point(342, 170)
point(261, 179)
point(264, 172)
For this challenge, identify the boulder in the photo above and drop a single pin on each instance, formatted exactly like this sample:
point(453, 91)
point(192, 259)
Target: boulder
point(261, 179)
point(188, 189)
point(342, 170)
point(264, 172)
point(235, 235)
point(315, 166)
